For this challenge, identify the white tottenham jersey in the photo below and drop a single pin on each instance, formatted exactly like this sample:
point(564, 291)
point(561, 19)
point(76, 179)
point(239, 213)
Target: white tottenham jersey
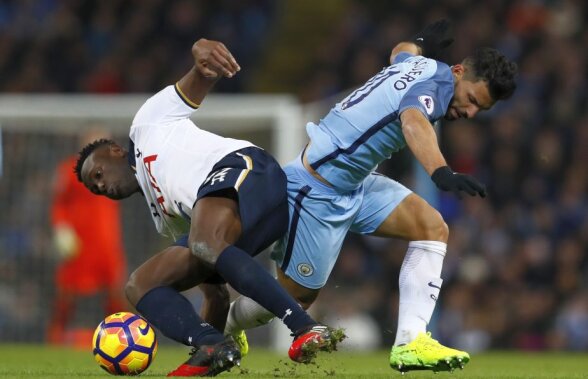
point(173, 157)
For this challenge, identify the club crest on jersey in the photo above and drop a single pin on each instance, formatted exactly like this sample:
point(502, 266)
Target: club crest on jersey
point(305, 269)
point(428, 103)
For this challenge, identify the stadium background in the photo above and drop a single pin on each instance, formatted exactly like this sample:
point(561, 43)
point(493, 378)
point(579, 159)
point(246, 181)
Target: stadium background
point(516, 275)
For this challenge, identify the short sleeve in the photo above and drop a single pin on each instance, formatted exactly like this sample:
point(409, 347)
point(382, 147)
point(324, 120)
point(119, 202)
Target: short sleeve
point(430, 96)
point(421, 96)
point(168, 105)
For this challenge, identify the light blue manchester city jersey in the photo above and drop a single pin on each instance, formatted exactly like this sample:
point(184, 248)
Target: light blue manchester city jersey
point(364, 129)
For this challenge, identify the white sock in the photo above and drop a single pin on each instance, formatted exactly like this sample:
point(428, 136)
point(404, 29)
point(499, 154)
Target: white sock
point(244, 314)
point(419, 285)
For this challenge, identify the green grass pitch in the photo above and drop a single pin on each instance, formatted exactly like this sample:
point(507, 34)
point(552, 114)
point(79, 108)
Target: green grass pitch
point(37, 361)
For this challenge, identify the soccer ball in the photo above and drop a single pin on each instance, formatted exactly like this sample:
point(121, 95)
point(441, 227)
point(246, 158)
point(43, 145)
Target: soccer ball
point(124, 344)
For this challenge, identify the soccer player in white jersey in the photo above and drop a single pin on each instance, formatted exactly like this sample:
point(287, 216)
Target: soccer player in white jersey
point(333, 189)
point(228, 194)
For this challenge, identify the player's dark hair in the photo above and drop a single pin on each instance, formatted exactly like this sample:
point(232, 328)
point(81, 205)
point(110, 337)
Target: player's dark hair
point(85, 153)
point(492, 66)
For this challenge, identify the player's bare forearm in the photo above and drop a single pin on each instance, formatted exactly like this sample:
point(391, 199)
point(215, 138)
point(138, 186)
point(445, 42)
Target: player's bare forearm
point(195, 87)
point(212, 61)
point(422, 140)
point(408, 47)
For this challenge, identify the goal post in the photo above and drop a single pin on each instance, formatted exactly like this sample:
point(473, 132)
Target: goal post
point(279, 115)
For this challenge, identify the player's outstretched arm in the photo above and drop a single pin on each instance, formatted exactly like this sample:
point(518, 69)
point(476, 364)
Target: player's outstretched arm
point(422, 141)
point(212, 60)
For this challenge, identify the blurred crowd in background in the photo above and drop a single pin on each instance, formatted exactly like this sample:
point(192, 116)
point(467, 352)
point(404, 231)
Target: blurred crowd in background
point(516, 272)
point(120, 45)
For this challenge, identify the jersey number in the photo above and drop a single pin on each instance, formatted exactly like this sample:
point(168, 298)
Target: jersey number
point(361, 93)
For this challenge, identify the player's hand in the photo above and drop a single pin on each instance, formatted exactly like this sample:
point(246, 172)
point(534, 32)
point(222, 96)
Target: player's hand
point(447, 180)
point(434, 38)
point(213, 59)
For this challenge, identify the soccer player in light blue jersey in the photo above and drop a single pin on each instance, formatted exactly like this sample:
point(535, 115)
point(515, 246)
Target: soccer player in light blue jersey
point(333, 187)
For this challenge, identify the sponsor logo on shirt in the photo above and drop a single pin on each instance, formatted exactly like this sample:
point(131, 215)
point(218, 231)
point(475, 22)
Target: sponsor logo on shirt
point(148, 161)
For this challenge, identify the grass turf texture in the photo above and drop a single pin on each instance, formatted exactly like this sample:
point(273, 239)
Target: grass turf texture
point(38, 361)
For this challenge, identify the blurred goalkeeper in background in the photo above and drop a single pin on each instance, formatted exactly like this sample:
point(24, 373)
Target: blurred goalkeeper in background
point(333, 189)
point(224, 200)
point(87, 236)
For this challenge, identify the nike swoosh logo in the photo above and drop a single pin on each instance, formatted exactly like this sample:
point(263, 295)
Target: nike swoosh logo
point(144, 331)
point(434, 286)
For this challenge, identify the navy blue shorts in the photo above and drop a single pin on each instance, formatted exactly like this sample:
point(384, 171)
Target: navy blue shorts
point(258, 182)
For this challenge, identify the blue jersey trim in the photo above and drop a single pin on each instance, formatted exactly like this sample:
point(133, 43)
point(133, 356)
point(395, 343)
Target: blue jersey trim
point(292, 233)
point(361, 140)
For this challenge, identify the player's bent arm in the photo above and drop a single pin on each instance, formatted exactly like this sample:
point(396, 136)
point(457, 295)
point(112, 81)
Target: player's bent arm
point(421, 139)
point(408, 47)
point(212, 60)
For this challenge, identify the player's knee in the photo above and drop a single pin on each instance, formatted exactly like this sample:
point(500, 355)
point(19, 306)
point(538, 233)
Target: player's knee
point(207, 240)
point(432, 226)
point(204, 250)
